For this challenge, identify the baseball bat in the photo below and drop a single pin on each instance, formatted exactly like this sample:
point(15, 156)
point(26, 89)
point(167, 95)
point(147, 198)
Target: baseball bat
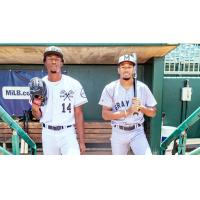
point(135, 84)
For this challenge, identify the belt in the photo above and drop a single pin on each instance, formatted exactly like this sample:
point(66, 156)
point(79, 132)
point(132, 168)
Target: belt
point(128, 128)
point(55, 128)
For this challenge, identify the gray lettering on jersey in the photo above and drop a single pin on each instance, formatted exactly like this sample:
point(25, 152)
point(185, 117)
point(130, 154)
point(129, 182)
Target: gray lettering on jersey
point(119, 105)
point(122, 104)
point(64, 94)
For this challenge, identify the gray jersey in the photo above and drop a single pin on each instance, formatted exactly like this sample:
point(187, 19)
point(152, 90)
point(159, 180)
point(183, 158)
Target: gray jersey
point(118, 98)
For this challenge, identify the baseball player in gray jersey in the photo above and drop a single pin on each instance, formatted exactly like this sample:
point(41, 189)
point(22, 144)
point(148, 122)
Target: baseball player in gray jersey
point(126, 110)
point(62, 110)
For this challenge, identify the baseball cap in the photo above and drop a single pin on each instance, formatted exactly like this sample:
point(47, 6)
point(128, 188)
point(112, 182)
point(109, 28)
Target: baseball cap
point(53, 50)
point(131, 58)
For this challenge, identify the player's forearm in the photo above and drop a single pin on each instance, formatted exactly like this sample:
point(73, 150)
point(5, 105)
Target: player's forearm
point(80, 131)
point(150, 112)
point(109, 115)
point(36, 112)
point(37, 115)
point(79, 120)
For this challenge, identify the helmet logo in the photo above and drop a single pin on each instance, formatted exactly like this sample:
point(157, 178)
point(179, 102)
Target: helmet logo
point(126, 57)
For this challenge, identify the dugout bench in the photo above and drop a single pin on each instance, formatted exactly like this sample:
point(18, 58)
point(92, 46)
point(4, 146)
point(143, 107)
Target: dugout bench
point(97, 137)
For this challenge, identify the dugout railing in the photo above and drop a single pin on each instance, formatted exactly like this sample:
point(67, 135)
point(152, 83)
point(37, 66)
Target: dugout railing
point(17, 131)
point(180, 133)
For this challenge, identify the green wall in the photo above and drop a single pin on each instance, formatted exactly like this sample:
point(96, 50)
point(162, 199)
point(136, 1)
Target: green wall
point(93, 78)
point(172, 103)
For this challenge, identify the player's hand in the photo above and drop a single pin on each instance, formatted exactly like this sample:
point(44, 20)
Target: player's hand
point(82, 147)
point(135, 108)
point(35, 106)
point(136, 103)
point(37, 101)
point(36, 111)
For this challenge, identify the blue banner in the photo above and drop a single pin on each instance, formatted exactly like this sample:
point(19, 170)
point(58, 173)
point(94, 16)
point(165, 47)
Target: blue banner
point(14, 91)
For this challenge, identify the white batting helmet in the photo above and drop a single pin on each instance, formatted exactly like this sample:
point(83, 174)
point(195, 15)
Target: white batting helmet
point(131, 58)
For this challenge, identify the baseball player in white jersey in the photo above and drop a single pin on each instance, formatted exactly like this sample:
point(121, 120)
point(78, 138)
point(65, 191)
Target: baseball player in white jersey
point(126, 111)
point(63, 108)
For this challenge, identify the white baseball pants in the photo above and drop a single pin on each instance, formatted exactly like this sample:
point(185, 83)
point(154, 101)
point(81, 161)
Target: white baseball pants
point(122, 141)
point(62, 142)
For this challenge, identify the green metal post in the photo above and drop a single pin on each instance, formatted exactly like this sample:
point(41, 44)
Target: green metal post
point(192, 119)
point(13, 125)
point(157, 86)
point(15, 143)
point(182, 144)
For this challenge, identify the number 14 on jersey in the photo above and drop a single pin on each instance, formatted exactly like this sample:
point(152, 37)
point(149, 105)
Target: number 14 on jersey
point(66, 108)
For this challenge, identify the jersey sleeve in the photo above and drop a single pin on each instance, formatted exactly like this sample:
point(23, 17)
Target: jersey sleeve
point(80, 96)
point(150, 99)
point(106, 98)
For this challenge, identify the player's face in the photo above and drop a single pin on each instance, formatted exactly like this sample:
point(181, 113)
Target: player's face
point(126, 70)
point(53, 64)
